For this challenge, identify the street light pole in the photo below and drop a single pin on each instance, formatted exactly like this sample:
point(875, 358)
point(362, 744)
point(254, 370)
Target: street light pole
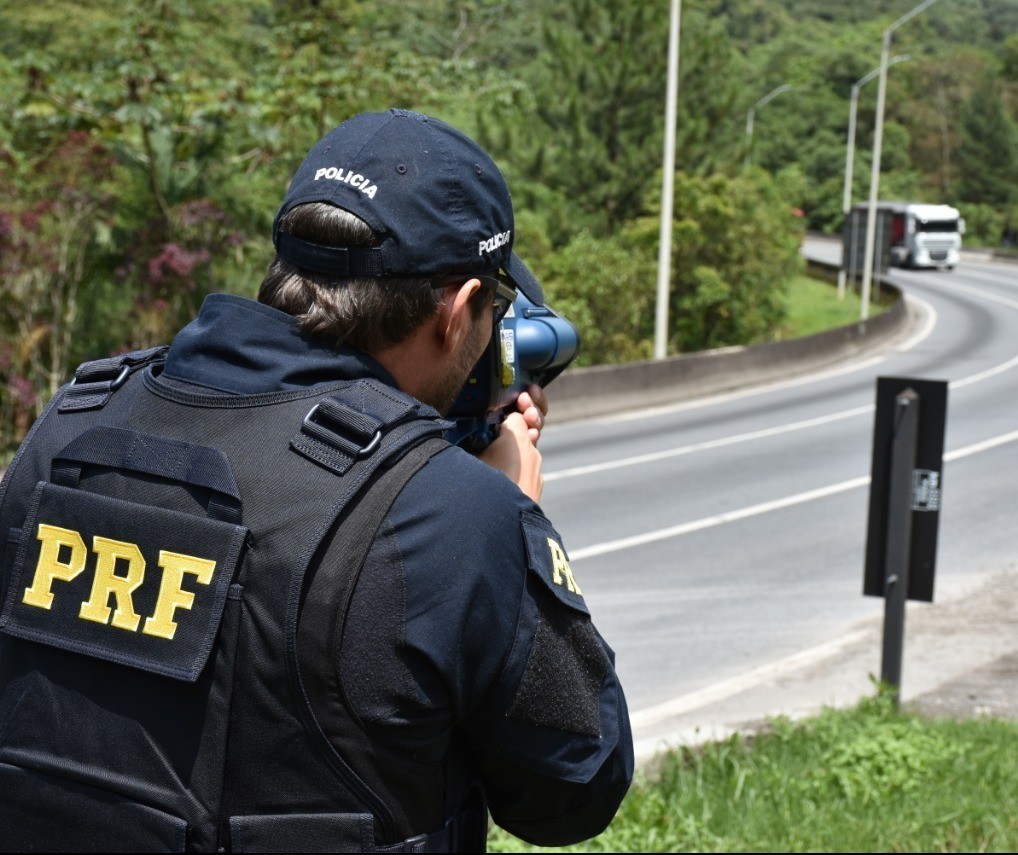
point(664, 257)
point(878, 141)
point(752, 114)
point(846, 203)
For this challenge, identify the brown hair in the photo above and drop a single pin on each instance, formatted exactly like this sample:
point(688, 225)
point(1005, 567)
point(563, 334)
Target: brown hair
point(365, 312)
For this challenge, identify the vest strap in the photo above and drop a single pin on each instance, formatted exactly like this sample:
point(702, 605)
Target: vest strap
point(465, 832)
point(95, 382)
point(353, 424)
point(314, 639)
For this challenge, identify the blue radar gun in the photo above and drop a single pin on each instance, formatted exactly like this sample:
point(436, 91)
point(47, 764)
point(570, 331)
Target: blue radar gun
point(531, 344)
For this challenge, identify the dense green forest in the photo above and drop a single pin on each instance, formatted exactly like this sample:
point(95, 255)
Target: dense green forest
point(145, 146)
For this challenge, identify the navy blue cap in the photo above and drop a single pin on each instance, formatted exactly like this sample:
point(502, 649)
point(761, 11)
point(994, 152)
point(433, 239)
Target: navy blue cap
point(435, 199)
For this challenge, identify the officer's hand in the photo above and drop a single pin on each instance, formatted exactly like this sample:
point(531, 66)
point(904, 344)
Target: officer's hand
point(514, 453)
point(533, 405)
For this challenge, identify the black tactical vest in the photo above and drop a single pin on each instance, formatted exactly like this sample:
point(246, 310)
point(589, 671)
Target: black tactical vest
point(155, 547)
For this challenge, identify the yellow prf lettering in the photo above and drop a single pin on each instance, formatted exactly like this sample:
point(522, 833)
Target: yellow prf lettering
point(50, 567)
point(172, 596)
point(107, 582)
point(560, 568)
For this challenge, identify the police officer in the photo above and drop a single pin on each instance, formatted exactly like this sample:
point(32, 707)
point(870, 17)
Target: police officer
point(254, 601)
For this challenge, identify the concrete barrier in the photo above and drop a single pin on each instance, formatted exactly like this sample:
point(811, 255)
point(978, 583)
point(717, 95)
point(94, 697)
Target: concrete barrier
point(1008, 256)
point(603, 389)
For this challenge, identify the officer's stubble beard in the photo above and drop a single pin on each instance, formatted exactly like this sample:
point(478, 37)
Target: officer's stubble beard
point(448, 388)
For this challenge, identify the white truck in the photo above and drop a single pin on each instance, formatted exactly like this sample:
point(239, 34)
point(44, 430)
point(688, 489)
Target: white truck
point(921, 235)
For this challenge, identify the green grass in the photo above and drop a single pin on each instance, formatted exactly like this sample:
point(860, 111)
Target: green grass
point(813, 306)
point(869, 779)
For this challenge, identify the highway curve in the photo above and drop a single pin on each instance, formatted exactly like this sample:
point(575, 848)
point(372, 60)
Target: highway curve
point(721, 537)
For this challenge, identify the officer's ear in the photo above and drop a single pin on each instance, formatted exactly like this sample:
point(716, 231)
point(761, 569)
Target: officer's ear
point(455, 316)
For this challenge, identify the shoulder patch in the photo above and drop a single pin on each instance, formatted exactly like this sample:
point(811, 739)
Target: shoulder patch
point(548, 559)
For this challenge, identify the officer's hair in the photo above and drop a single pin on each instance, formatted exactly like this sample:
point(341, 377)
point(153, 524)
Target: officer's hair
point(365, 312)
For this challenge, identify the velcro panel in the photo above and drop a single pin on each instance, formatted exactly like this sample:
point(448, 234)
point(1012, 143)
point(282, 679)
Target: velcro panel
point(121, 581)
point(561, 685)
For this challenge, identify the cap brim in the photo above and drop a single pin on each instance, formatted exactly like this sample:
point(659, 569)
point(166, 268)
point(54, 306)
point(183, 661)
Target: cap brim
point(519, 274)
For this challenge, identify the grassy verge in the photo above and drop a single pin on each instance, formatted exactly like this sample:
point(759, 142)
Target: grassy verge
point(869, 779)
point(813, 306)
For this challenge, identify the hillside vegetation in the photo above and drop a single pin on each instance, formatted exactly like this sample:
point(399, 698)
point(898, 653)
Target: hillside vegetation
point(144, 148)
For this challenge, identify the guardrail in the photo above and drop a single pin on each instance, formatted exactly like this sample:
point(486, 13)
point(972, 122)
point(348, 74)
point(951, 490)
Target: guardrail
point(606, 389)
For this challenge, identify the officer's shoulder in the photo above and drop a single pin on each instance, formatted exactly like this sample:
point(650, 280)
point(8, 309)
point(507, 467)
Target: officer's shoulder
point(465, 508)
point(484, 498)
point(470, 487)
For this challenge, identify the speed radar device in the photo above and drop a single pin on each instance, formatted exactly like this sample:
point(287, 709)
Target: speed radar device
point(531, 344)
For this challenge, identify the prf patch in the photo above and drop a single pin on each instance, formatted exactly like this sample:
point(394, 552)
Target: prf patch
point(129, 583)
point(548, 559)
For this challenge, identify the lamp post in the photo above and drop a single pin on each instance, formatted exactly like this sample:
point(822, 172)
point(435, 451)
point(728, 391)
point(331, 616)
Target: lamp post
point(846, 204)
point(664, 257)
point(878, 141)
point(752, 113)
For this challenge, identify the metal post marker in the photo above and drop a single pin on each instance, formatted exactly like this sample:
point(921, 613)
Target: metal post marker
point(899, 535)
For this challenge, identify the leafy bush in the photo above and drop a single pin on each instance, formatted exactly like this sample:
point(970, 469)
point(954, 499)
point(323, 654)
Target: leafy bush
point(735, 245)
point(984, 224)
point(606, 286)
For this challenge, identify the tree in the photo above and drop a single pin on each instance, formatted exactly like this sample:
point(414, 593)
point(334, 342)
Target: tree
point(709, 136)
point(55, 211)
point(594, 135)
point(987, 157)
point(1009, 69)
point(586, 147)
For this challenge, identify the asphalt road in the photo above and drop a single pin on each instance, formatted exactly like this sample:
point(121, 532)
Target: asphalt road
point(720, 542)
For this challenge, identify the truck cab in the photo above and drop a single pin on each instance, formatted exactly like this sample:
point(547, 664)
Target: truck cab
point(925, 235)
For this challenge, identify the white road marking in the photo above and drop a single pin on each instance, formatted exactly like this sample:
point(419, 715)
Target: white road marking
point(772, 672)
point(989, 372)
point(765, 507)
point(994, 298)
point(723, 689)
point(719, 519)
point(929, 323)
point(653, 457)
point(985, 445)
point(984, 375)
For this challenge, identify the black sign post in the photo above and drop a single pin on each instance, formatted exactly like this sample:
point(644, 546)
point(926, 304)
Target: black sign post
point(905, 491)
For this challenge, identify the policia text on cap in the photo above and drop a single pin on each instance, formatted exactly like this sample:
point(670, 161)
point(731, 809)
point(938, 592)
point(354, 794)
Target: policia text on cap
point(252, 598)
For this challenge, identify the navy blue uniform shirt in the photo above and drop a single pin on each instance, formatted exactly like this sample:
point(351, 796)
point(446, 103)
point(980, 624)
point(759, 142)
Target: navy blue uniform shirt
point(468, 635)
